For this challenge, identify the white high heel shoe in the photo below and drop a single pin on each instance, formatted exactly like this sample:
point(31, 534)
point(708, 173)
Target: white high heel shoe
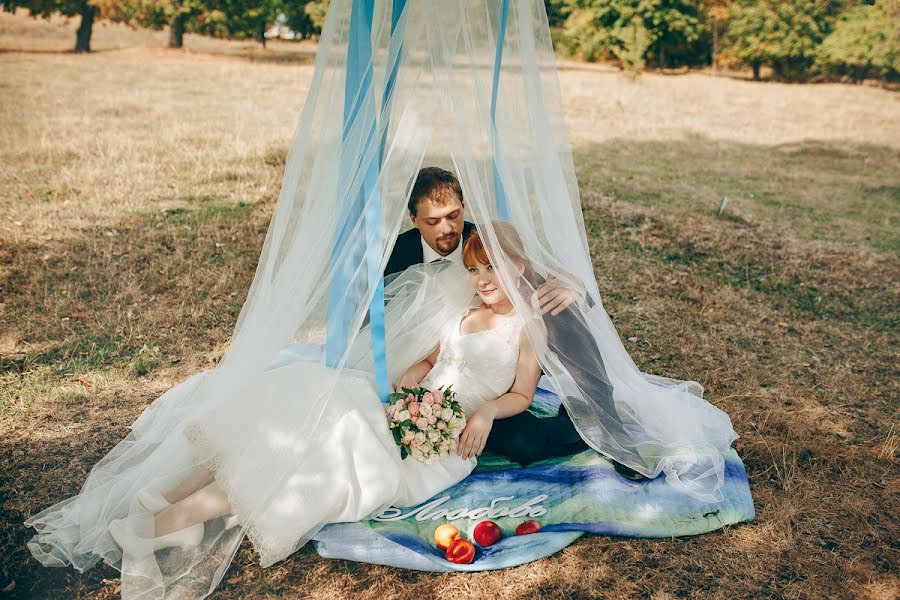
point(155, 503)
point(134, 535)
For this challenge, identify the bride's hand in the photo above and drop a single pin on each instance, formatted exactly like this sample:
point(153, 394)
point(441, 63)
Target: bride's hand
point(475, 434)
point(409, 380)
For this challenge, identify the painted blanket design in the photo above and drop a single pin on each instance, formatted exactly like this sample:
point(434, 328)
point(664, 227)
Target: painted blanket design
point(568, 496)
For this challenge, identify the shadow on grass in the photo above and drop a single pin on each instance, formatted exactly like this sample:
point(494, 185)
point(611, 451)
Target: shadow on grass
point(127, 299)
point(132, 296)
point(182, 275)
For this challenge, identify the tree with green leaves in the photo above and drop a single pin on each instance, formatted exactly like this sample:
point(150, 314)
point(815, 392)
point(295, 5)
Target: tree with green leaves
point(670, 33)
point(865, 43)
point(635, 41)
point(247, 18)
point(718, 15)
point(86, 9)
point(316, 11)
point(782, 35)
point(157, 14)
point(250, 19)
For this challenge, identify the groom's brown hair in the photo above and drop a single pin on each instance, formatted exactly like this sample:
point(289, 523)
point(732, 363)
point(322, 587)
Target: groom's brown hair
point(434, 183)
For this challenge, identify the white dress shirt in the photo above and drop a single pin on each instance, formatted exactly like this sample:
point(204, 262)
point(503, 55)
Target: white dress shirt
point(429, 254)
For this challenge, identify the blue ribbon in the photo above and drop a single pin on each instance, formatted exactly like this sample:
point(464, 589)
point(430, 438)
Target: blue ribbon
point(499, 191)
point(348, 251)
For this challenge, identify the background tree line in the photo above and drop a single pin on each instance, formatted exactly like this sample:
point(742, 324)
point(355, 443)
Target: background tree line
point(797, 40)
point(219, 18)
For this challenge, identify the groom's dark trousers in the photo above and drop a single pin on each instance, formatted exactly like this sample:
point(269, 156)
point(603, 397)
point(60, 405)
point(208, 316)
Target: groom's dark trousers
point(525, 438)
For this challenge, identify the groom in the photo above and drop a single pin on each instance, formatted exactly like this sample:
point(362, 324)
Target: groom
point(437, 212)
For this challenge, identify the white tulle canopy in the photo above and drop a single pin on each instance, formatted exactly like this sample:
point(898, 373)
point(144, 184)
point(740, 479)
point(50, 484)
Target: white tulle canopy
point(468, 85)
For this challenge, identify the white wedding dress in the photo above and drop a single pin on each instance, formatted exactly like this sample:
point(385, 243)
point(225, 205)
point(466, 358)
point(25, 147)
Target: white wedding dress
point(352, 467)
point(283, 486)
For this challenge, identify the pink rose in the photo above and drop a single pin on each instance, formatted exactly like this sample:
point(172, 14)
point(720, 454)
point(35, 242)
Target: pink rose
point(431, 420)
point(426, 410)
point(428, 398)
point(420, 436)
point(399, 405)
point(422, 423)
point(413, 409)
point(441, 425)
point(438, 400)
point(410, 398)
point(443, 447)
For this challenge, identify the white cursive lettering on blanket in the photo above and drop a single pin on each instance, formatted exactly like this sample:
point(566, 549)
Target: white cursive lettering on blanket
point(427, 511)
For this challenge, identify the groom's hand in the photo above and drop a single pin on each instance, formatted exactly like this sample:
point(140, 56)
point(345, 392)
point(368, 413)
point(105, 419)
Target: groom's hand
point(555, 296)
point(475, 434)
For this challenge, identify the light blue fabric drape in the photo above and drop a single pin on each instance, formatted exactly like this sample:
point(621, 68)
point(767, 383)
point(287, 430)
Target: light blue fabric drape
point(348, 251)
point(499, 191)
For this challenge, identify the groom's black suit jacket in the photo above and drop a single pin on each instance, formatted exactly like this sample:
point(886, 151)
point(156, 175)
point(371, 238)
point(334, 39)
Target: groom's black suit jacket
point(408, 249)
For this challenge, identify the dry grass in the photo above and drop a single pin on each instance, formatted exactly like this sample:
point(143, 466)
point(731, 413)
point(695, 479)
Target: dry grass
point(135, 189)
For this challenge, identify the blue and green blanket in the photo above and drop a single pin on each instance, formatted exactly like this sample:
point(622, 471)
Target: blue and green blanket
point(568, 496)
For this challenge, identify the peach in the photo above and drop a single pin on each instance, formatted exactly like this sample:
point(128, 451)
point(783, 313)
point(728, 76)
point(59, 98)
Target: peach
point(461, 552)
point(444, 535)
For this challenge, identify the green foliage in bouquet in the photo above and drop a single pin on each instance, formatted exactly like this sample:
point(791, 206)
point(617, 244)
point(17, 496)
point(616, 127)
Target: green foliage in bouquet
point(408, 421)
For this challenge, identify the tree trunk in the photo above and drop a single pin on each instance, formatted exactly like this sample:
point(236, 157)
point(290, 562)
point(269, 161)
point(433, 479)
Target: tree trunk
point(83, 35)
point(176, 30)
point(756, 67)
point(262, 35)
point(715, 48)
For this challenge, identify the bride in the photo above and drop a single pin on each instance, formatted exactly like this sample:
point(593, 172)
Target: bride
point(260, 469)
point(354, 469)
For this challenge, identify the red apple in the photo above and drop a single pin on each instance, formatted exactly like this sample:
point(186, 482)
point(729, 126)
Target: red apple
point(486, 533)
point(461, 552)
point(527, 527)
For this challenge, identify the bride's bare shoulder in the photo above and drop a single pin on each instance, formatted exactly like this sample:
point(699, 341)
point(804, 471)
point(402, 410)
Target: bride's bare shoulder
point(474, 318)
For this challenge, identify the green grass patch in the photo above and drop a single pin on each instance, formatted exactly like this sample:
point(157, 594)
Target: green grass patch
point(785, 290)
point(80, 355)
point(811, 191)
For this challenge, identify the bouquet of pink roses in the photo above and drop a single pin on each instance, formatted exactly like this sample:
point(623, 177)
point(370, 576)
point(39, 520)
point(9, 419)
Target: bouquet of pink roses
point(425, 424)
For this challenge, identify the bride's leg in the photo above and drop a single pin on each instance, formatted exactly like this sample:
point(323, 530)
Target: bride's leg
point(203, 505)
point(197, 480)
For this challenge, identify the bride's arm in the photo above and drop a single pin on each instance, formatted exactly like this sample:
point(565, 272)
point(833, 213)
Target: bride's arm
point(418, 371)
point(516, 400)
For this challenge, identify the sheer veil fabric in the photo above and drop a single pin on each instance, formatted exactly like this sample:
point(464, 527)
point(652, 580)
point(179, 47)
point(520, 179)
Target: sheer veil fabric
point(431, 101)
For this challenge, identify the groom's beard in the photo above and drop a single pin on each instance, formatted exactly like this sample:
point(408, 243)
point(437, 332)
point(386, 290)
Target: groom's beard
point(448, 245)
